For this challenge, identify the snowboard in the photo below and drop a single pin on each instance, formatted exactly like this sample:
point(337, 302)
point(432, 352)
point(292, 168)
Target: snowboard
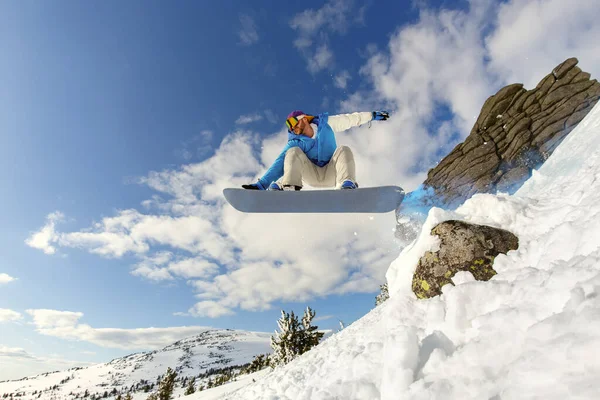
point(379, 199)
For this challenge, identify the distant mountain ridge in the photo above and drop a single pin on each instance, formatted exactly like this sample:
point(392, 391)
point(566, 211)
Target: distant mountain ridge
point(199, 356)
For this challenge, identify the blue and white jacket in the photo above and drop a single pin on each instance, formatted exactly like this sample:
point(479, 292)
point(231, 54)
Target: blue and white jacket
point(319, 150)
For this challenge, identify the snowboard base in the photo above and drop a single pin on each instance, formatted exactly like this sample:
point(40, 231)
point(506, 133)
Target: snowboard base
point(379, 199)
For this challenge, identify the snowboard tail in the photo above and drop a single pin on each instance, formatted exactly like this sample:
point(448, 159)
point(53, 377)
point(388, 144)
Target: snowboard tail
point(380, 199)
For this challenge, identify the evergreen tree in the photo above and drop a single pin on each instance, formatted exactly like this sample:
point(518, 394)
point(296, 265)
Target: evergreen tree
point(310, 336)
point(383, 296)
point(259, 362)
point(285, 343)
point(294, 338)
point(190, 387)
point(153, 396)
point(128, 397)
point(166, 385)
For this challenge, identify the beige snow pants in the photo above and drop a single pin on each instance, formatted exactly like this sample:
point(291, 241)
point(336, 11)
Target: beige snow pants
point(298, 168)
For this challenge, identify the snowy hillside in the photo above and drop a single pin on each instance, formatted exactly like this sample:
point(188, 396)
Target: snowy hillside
point(213, 349)
point(532, 331)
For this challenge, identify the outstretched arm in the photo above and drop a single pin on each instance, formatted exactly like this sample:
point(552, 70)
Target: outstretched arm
point(344, 122)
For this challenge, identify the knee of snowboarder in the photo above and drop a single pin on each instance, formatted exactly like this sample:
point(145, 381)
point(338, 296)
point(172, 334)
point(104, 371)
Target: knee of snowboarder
point(294, 151)
point(344, 150)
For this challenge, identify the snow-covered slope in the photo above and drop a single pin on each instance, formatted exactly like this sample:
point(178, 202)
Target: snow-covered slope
point(213, 349)
point(532, 332)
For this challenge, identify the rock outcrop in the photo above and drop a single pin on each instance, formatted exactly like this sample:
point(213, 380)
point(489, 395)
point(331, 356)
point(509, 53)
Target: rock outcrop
point(517, 131)
point(464, 247)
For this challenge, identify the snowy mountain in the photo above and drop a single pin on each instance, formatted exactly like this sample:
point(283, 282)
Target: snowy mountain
point(531, 332)
point(209, 351)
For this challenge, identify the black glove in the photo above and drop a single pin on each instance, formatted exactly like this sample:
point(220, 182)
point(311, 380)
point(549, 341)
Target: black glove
point(380, 115)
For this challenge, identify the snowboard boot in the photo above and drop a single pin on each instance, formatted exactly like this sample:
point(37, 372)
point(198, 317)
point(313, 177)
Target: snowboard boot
point(292, 187)
point(348, 184)
point(253, 186)
point(275, 186)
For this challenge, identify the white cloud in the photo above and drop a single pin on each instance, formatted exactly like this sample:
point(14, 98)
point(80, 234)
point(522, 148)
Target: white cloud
point(152, 273)
point(193, 268)
point(211, 309)
point(154, 267)
point(248, 33)
point(449, 58)
point(341, 79)
point(44, 238)
point(13, 352)
point(272, 117)
point(7, 315)
point(334, 15)
point(65, 325)
point(322, 318)
point(16, 363)
point(302, 43)
point(247, 119)
point(5, 278)
point(321, 59)
point(533, 36)
point(314, 27)
point(165, 266)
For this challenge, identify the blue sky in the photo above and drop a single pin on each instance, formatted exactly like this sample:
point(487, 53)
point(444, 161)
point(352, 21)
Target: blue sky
point(122, 122)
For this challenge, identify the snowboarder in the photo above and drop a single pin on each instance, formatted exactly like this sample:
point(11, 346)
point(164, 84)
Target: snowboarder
point(312, 155)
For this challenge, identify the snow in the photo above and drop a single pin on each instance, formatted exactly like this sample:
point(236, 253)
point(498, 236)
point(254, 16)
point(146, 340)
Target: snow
point(226, 389)
point(213, 348)
point(532, 331)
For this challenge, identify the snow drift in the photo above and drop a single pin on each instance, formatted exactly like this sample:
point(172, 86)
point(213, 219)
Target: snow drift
point(532, 331)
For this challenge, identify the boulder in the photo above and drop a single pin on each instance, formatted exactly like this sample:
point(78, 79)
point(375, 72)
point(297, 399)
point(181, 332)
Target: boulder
point(463, 247)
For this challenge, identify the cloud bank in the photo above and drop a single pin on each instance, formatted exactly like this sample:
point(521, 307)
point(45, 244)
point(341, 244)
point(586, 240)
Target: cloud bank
point(65, 325)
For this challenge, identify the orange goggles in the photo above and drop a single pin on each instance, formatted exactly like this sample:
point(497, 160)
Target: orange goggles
point(291, 122)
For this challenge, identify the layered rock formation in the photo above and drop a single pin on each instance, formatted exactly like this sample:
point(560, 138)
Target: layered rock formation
point(516, 131)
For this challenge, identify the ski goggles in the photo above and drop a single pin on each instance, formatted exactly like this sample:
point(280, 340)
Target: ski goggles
point(291, 122)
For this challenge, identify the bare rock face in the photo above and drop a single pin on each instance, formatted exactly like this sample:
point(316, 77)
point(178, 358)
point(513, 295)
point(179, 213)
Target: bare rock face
point(464, 247)
point(517, 131)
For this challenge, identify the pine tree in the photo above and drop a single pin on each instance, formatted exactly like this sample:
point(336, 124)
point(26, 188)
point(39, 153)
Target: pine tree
point(383, 296)
point(259, 362)
point(285, 343)
point(166, 385)
point(310, 336)
point(153, 396)
point(293, 338)
point(190, 387)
